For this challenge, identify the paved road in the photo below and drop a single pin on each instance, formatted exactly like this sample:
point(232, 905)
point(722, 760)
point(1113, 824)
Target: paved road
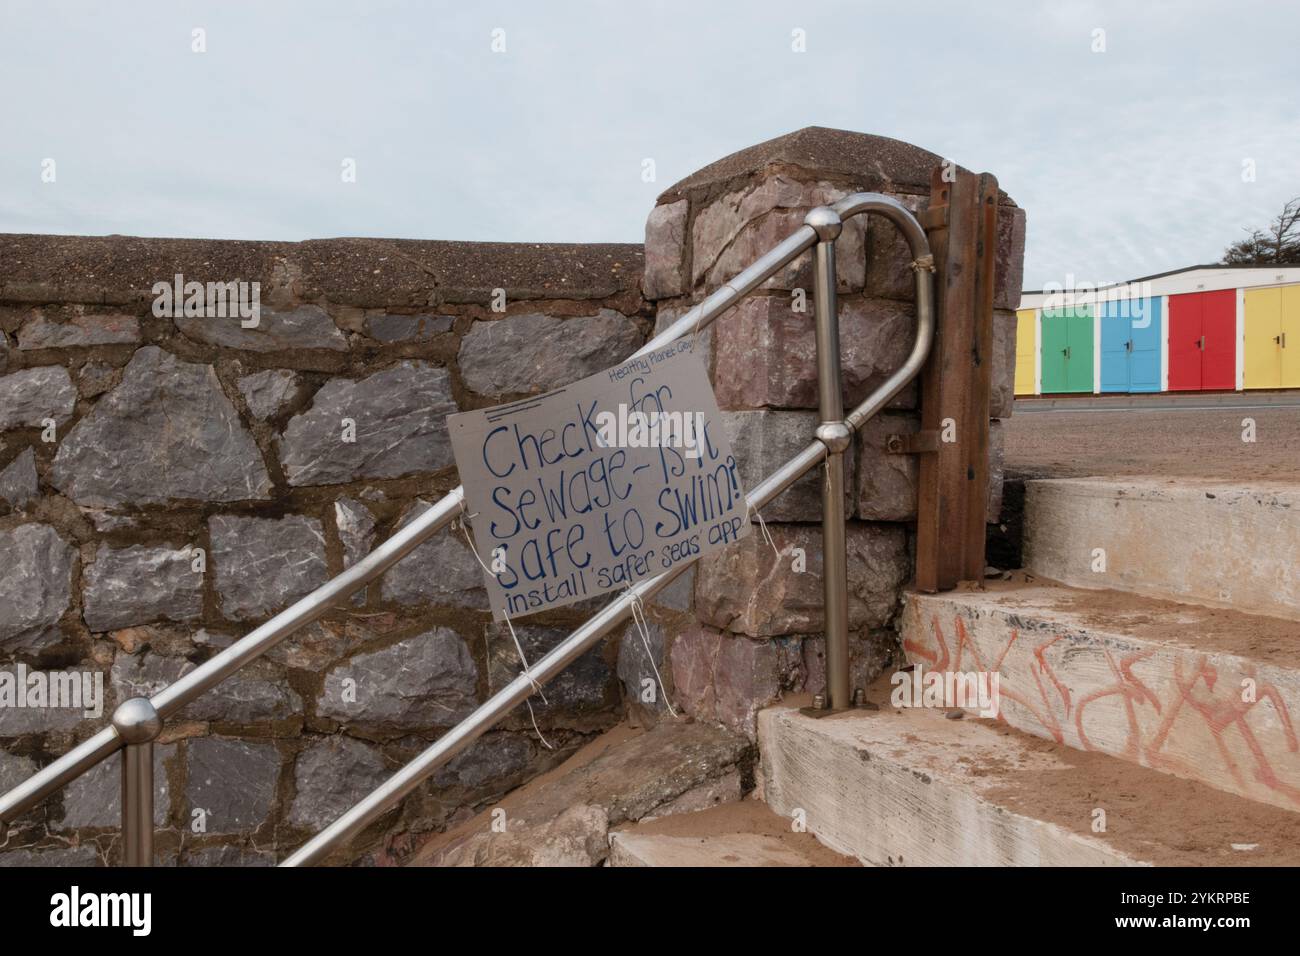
point(1185, 401)
point(1163, 435)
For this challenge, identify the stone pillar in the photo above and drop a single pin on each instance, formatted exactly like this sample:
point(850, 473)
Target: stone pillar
point(751, 628)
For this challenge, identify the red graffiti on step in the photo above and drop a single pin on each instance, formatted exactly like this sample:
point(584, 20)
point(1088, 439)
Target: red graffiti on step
point(1190, 688)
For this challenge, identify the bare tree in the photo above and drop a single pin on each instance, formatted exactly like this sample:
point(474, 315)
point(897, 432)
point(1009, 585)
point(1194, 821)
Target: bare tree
point(1277, 245)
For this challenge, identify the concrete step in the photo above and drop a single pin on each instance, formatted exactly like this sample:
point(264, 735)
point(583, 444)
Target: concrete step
point(1203, 693)
point(745, 833)
point(1227, 545)
point(563, 817)
point(911, 787)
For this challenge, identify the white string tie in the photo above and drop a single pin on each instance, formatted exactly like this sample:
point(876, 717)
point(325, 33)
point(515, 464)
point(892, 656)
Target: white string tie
point(643, 628)
point(762, 525)
point(487, 649)
point(531, 679)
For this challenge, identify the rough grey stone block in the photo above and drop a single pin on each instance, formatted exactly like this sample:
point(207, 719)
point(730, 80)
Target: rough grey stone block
point(304, 327)
point(677, 596)
point(246, 699)
point(356, 526)
point(14, 770)
point(268, 391)
point(80, 331)
point(31, 395)
point(18, 481)
point(71, 698)
point(388, 328)
point(95, 798)
point(96, 378)
point(636, 666)
point(331, 775)
point(441, 571)
point(318, 645)
point(138, 585)
point(536, 353)
point(499, 760)
point(233, 781)
point(585, 685)
point(144, 675)
point(36, 583)
point(870, 652)
point(265, 564)
point(400, 427)
point(75, 856)
point(229, 856)
point(166, 432)
point(356, 530)
point(763, 441)
point(422, 683)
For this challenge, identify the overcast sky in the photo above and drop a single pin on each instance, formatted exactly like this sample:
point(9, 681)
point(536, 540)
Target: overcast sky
point(1128, 161)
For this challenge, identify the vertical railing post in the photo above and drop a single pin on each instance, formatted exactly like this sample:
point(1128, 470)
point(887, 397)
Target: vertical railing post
point(139, 725)
point(835, 434)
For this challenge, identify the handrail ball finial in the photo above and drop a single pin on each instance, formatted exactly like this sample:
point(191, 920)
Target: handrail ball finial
point(136, 721)
point(835, 436)
point(825, 221)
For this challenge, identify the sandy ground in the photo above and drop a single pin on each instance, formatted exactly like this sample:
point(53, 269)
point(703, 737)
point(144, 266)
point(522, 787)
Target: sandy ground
point(1166, 442)
point(748, 816)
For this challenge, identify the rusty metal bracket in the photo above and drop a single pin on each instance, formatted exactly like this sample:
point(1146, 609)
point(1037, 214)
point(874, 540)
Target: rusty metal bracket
point(913, 443)
point(936, 217)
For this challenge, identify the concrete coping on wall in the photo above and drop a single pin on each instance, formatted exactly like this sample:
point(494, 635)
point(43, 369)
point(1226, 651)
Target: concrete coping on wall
point(362, 272)
point(869, 162)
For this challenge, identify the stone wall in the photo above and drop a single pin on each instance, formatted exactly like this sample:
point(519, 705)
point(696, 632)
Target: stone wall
point(166, 484)
point(748, 627)
point(197, 478)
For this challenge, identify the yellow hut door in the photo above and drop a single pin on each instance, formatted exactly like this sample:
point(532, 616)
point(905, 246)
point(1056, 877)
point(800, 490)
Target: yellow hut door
point(1027, 351)
point(1263, 344)
point(1290, 377)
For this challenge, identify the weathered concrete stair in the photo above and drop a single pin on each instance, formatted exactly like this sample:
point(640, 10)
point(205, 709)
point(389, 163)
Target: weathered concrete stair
point(738, 834)
point(1203, 541)
point(563, 817)
point(1208, 694)
point(1158, 694)
point(910, 787)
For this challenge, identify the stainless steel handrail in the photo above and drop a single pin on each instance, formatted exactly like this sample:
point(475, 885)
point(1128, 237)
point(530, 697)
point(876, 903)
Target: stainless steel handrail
point(823, 224)
point(137, 722)
point(174, 697)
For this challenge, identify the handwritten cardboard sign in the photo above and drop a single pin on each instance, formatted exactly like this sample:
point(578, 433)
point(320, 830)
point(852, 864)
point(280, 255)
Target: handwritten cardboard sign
point(592, 487)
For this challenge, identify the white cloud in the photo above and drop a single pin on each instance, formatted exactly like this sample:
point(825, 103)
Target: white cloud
point(1127, 162)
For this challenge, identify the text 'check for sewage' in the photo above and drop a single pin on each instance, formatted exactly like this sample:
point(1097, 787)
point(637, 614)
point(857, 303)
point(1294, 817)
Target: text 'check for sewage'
point(592, 487)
